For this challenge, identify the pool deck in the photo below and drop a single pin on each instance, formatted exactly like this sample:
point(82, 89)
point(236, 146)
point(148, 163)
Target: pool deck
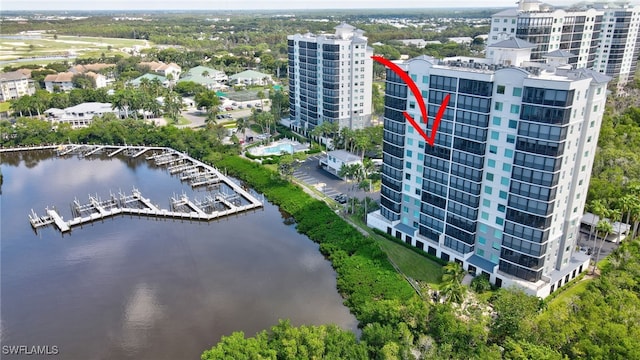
point(260, 150)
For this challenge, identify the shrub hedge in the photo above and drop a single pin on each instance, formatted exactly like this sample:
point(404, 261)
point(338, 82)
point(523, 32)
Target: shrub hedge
point(365, 276)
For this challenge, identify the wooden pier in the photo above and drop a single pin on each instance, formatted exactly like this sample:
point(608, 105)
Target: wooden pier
point(136, 204)
point(213, 206)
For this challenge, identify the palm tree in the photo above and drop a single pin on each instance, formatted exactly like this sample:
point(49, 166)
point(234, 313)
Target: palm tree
point(260, 96)
point(348, 138)
point(626, 204)
point(598, 208)
point(635, 218)
point(173, 105)
point(616, 215)
point(362, 141)
point(120, 101)
point(242, 124)
point(604, 228)
point(452, 286)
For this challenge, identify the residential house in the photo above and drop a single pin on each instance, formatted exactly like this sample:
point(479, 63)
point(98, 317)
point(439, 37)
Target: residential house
point(100, 80)
point(208, 77)
point(170, 71)
point(80, 115)
point(59, 82)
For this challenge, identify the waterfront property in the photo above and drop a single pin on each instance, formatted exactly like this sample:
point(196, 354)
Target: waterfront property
point(222, 201)
point(502, 190)
point(80, 115)
point(278, 148)
point(330, 77)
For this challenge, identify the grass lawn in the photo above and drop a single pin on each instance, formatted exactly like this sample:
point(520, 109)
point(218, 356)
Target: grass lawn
point(410, 263)
point(48, 46)
point(563, 298)
point(5, 106)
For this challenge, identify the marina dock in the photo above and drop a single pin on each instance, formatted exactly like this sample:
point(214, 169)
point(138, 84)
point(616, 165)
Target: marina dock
point(220, 202)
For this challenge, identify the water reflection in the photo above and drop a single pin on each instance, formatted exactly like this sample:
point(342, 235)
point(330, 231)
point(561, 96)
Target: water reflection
point(130, 288)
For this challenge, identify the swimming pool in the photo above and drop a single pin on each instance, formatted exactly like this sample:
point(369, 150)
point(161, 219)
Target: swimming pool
point(278, 147)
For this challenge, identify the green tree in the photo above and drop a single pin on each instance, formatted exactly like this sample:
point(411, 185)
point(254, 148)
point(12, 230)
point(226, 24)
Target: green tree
point(83, 81)
point(173, 105)
point(237, 347)
point(286, 165)
point(480, 284)
point(515, 311)
point(209, 100)
point(603, 229)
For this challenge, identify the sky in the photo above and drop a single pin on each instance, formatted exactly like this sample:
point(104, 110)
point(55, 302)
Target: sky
point(7, 5)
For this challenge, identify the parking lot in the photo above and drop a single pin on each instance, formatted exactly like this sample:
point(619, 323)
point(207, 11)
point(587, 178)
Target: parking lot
point(309, 173)
point(585, 244)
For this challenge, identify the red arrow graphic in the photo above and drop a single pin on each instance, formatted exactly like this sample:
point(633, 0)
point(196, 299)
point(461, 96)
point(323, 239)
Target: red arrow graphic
point(416, 93)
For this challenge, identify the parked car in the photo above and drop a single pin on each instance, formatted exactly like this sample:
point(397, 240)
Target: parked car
point(228, 108)
point(341, 198)
point(248, 105)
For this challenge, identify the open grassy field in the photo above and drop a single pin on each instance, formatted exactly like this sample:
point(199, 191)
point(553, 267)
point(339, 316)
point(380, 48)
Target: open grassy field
point(48, 46)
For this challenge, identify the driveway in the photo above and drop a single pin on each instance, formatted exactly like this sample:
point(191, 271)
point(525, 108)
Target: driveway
point(607, 247)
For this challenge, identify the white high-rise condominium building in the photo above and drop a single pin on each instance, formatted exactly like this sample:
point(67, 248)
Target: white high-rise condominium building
point(503, 189)
point(619, 48)
point(603, 36)
point(573, 30)
point(330, 78)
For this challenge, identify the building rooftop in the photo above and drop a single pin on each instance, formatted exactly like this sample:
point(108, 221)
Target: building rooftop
point(150, 77)
point(251, 74)
point(344, 156)
point(89, 107)
point(559, 54)
point(90, 67)
point(583, 73)
point(60, 77)
point(507, 12)
point(13, 75)
point(196, 75)
point(159, 66)
point(513, 43)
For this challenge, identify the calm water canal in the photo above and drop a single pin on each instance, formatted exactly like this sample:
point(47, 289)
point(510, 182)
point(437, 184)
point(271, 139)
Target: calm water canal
point(138, 288)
